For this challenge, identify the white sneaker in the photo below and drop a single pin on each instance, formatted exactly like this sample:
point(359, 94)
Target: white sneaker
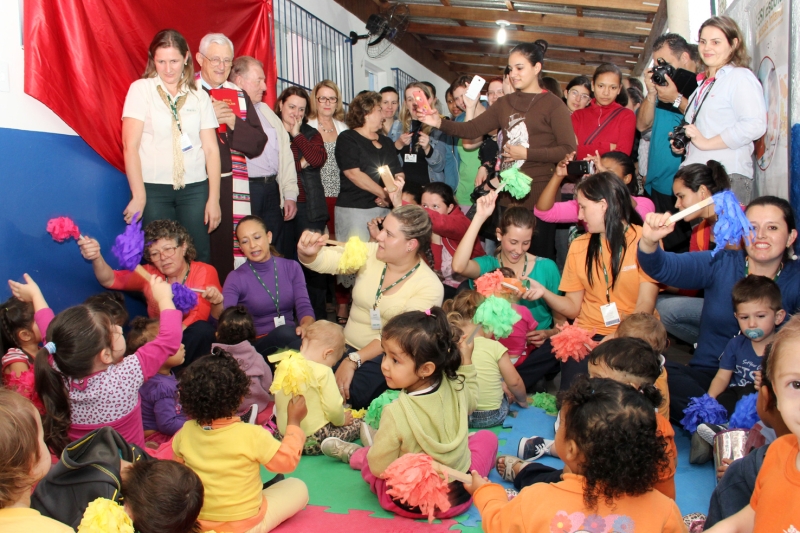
point(338, 449)
point(533, 448)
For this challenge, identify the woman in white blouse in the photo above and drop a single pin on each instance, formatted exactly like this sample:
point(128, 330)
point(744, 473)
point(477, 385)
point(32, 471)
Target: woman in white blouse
point(726, 113)
point(170, 146)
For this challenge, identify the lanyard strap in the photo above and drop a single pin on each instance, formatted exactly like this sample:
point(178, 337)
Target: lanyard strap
point(747, 269)
point(173, 106)
point(189, 269)
point(525, 281)
point(277, 298)
point(605, 272)
point(698, 104)
point(381, 290)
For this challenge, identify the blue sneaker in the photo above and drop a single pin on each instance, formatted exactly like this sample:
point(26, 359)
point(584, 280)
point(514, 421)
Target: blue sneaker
point(533, 448)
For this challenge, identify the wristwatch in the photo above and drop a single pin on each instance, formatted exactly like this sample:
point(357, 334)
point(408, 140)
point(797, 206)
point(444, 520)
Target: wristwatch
point(677, 103)
point(355, 357)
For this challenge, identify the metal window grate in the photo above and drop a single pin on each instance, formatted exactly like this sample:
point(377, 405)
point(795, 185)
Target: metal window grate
point(402, 79)
point(308, 51)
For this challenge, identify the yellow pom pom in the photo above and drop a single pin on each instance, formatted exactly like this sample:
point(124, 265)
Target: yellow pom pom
point(354, 256)
point(105, 516)
point(361, 413)
point(292, 375)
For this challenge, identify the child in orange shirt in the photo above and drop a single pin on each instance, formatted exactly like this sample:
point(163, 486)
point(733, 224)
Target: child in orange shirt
point(629, 361)
point(613, 457)
point(775, 505)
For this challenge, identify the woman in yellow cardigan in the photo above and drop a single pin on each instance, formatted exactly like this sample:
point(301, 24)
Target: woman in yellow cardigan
point(396, 278)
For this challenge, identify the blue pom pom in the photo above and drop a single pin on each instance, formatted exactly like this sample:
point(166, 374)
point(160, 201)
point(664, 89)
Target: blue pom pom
point(732, 225)
point(745, 415)
point(704, 409)
point(183, 297)
point(129, 245)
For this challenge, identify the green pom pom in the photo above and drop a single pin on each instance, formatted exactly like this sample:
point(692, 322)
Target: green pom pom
point(545, 401)
point(515, 182)
point(373, 416)
point(496, 316)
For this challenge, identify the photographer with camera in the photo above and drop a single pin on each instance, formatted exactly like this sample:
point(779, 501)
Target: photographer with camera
point(421, 155)
point(726, 112)
point(662, 110)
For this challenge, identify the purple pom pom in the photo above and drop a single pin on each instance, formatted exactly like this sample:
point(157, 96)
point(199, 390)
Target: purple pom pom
point(704, 409)
point(745, 415)
point(129, 245)
point(732, 225)
point(183, 297)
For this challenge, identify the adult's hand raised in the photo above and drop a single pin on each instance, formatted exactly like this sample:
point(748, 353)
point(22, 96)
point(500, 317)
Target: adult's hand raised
point(656, 227)
point(309, 245)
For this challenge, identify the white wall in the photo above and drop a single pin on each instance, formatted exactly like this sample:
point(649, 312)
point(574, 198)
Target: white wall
point(17, 109)
point(344, 21)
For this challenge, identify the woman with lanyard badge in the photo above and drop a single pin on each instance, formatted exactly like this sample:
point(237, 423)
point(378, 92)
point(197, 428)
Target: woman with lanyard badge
point(272, 288)
point(732, 100)
point(602, 280)
point(396, 278)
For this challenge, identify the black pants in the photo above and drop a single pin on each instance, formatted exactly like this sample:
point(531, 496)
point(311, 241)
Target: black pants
point(571, 369)
point(197, 339)
point(368, 381)
point(536, 473)
point(543, 243)
point(279, 338)
point(540, 364)
point(686, 382)
point(265, 202)
point(316, 283)
point(678, 240)
point(221, 239)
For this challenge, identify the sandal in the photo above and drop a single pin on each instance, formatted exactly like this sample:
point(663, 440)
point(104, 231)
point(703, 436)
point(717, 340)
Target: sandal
point(510, 461)
point(341, 320)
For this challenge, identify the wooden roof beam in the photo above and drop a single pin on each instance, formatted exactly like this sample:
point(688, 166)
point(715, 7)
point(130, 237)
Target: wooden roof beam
point(624, 27)
point(569, 41)
point(659, 23)
point(570, 68)
point(505, 49)
point(630, 6)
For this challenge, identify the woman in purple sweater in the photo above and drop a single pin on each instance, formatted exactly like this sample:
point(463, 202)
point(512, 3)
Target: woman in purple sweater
point(272, 288)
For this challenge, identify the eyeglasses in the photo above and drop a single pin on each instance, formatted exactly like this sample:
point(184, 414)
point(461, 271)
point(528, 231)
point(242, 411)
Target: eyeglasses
point(165, 253)
point(326, 100)
point(576, 94)
point(216, 61)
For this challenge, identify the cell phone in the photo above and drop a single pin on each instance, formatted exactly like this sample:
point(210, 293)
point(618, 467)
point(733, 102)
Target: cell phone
point(579, 168)
point(475, 86)
point(422, 101)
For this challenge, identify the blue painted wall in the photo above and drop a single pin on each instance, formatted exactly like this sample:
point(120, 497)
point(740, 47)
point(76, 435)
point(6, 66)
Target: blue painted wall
point(43, 175)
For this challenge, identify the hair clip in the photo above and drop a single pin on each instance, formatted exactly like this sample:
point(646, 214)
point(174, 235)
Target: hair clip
point(428, 312)
point(50, 347)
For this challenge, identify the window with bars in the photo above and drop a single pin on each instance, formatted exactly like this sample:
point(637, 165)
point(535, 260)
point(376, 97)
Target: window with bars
point(307, 51)
point(402, 79)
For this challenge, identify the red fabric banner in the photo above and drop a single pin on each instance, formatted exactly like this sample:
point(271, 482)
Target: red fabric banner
point(82, 55)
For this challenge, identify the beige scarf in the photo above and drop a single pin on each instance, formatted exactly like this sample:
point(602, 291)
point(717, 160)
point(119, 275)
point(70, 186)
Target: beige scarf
point(178, 170)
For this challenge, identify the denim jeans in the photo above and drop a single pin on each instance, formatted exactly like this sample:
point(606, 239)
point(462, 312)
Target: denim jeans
point(489, 419)
point(681, 316)
point(187, 206)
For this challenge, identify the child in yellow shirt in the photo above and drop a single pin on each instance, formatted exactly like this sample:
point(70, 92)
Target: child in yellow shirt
point(227, 453)
point(322, 348)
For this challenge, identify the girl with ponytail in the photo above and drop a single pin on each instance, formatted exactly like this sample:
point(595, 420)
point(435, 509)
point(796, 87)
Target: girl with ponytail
point(431, 363)
point(81, 374)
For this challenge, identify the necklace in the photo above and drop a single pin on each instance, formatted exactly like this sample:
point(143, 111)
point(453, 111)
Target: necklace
point(326, 130)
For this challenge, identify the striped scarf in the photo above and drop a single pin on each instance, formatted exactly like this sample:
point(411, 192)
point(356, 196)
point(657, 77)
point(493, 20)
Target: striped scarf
point(241, 188)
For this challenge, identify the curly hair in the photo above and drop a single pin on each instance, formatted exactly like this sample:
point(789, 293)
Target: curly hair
point(163, 497)
point(361, 106)
point(19, 445)
point(235, 325)
point(143, 330)
point(213, 387)
point(614, 427)
point(427, 336)
point(168, 229)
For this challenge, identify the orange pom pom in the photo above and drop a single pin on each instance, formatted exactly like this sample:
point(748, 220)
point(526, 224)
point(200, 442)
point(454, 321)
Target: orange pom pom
point(489, 283)
point(572, 341)
point(414, 481)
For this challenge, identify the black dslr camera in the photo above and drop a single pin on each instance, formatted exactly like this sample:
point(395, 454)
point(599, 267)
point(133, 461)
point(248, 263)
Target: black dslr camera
point(661, 71)
point(679, 138)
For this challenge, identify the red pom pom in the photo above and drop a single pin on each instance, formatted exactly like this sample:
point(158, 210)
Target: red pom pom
point(489, 283)
point(572, 341)
point(62, 228)
point(413, 480)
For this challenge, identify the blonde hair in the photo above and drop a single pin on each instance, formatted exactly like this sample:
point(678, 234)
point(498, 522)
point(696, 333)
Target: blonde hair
point(19, 446)
point(405, 112)
point(338, 113)
point(646, 327)
point(739, 56)
point(416, 224)
point(463, 306)
point(329, 334)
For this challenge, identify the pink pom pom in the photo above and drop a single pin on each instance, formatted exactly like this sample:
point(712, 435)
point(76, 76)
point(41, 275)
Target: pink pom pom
point(572, 341)
point(62, 228)
point(489, 283)
point(413, 480)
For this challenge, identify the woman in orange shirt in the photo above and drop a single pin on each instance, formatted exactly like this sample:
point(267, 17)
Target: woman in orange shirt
point(602, 280)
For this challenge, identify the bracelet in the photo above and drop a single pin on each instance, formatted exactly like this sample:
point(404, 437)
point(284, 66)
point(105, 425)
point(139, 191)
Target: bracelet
point(677, 103)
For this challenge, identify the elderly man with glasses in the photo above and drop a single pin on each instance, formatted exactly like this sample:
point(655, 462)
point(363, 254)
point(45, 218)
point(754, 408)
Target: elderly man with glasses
point(240, 137)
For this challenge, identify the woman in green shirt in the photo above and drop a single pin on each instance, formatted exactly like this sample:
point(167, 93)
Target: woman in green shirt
point(514, 236)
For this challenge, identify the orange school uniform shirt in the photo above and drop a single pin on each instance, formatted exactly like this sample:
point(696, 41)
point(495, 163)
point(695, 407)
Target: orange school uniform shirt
point(624, 293)
point(776, 498)
point(666, 482)
point(559, 508)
